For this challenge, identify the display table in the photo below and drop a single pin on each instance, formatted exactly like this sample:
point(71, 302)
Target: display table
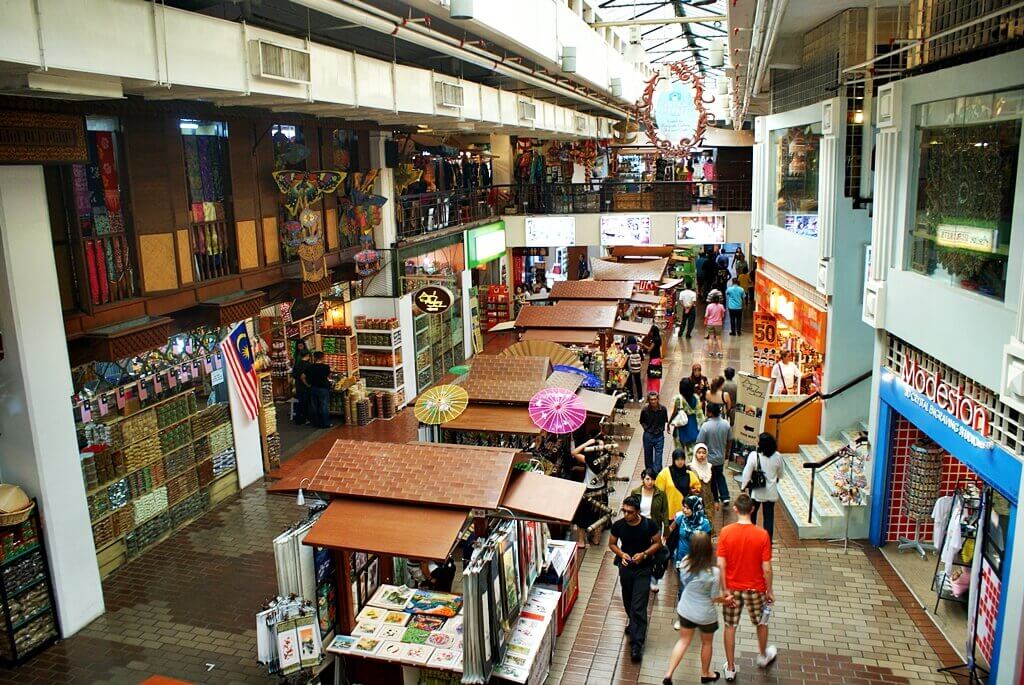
point(563, 576)
point(531, 647)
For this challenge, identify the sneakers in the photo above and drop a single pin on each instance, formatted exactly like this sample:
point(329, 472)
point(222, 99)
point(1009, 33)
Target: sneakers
point(654, 585)
point(764, 661)
point(677, 624)
point(729, 675)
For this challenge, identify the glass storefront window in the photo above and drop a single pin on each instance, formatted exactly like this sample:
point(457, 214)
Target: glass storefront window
point(968, 149)
point(797, 150)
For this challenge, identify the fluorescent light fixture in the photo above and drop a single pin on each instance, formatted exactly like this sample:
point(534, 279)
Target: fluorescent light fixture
point(716, 55)
point(188, 125)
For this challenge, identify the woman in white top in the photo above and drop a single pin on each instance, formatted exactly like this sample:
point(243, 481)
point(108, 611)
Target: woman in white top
point(767, 460)
point(786, 376)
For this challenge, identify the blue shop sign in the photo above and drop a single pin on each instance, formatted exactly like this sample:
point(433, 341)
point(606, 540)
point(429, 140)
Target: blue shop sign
point(997, 466)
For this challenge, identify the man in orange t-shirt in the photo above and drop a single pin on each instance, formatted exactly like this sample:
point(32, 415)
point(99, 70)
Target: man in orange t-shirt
point(745, 560)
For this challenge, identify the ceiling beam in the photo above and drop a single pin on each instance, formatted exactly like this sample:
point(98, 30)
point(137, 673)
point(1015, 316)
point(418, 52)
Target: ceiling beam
point(667, 20)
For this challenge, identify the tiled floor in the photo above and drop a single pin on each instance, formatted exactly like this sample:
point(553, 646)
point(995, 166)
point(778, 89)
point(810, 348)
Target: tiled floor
point(185, 609)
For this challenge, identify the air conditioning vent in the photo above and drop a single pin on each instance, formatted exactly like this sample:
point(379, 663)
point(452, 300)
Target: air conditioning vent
point(527, 110)
point(449, 94)
point(580, 123)
point(280, 63)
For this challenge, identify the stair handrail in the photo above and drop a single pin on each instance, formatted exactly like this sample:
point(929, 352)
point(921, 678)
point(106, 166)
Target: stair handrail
point(822, 463)
point(814, 396)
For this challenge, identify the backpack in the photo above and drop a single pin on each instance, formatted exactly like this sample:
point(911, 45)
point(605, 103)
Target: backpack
point(636, 362)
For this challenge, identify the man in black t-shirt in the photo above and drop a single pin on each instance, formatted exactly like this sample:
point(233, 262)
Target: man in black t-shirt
point(317, 377)
point(634, 541)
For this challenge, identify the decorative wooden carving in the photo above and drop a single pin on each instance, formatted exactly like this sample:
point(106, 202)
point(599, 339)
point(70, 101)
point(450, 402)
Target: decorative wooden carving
point(121, 341)
point(42, 138)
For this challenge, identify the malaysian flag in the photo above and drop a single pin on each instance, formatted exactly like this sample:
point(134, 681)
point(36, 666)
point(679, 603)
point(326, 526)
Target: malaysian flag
point(239, 355)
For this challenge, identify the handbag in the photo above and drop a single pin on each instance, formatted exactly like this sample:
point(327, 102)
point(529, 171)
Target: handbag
point(654, 368)
point(757, 478)
point(681, 418)
point(782, 377)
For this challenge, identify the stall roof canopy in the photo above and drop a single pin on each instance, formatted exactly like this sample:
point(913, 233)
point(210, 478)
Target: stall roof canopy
point(533, 494)
point(505, 390)
point(484, 417)
point(427, 473)
point(597, 402)
point(404, 530)
point(504, 367)
point(565, 379)
point(595, 318)
point(642, 251)
point(632, 327)
point(564, 335)
point(591, 290)
point(631, 270)
point(670, 283)
point(644, 298)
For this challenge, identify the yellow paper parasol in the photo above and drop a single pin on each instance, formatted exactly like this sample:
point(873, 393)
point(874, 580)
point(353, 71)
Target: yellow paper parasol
point(441, 404)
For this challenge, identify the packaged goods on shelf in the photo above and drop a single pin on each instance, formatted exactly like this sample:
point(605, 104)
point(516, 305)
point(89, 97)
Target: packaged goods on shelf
point(189, 508)
point(149, 532)
point(150, 504)
point(366, 323)
point(204, 473)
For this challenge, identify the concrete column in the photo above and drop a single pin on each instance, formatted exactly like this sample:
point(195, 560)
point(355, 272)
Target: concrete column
point(38, 446)
point(386, 234)
point(501, 165)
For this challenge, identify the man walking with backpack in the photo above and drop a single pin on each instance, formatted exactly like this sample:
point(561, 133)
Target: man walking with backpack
point(635, 366)
point(745, 562)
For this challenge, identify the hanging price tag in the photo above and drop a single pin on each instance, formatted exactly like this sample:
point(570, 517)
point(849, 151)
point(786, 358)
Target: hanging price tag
point(121, 398)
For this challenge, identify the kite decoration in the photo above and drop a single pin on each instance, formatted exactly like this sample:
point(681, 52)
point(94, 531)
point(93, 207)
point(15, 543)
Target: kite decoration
point(360, 214)
point(305, 237)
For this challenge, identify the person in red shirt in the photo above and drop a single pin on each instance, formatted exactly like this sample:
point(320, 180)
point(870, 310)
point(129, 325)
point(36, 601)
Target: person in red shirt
point(745, 562)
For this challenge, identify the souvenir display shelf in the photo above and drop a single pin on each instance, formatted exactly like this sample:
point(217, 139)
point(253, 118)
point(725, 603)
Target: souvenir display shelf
point(563, 576)
point(30, 616)
point(270, 439)
point(439, 344)
point(380, 361)
point(150, 471)
point(497, 305)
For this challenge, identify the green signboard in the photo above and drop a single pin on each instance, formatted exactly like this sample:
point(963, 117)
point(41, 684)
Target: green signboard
point(485, 244)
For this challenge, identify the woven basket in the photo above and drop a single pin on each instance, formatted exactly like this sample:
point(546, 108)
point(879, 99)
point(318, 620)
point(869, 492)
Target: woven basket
point(17, 517)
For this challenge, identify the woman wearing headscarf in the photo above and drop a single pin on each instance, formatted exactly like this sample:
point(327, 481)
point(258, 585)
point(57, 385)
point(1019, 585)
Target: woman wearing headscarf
point(701, 468)
point(688, 521)
point(677, 482)
point(699, 380)
point(687, 402)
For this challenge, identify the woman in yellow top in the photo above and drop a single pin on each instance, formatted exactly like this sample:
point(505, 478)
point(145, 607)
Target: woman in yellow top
point(677, 481)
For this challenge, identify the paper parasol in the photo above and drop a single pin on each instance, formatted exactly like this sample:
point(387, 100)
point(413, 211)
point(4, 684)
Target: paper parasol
point(589, 379)
point(557, 410)
point(441, 404)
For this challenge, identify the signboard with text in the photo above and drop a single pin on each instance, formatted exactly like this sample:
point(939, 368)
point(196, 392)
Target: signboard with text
point(751, 401)
point(433, 299)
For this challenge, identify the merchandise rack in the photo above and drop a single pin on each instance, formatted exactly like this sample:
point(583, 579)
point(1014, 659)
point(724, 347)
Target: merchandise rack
point(32, 598)
point(383, 343)
point(162, 497)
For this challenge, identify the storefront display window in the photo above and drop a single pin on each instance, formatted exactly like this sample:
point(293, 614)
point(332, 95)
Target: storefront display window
point(966, 175)
point(99, 227)
point(796, 178)
point(208, 176)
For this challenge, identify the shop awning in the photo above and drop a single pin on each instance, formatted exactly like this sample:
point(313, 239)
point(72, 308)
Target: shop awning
point(670, 283)
point(460, 476)
point(406, 530)
point(631, 270)
point(565, 336)
point(591, 290)
point(564, 316)
point(632, 327)
point(643, 298)
point(534, 495)
point(597, 402)
point(497, 418)
point(503, 326)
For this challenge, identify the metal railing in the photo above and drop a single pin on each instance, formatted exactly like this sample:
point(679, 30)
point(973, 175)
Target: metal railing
point(212, 253)
point(429, 212)
point(802, 404)
point(614, 196)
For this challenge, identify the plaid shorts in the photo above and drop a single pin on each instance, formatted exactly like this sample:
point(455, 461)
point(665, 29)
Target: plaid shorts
point(754, 601)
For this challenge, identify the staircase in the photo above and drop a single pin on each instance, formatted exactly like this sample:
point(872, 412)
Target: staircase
point(828, 519)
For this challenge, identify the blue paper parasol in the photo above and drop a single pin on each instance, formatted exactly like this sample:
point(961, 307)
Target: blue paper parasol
point(589, 379)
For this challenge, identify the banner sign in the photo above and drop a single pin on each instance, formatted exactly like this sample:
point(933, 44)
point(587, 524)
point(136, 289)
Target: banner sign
point(751, 402)
point(766, 342)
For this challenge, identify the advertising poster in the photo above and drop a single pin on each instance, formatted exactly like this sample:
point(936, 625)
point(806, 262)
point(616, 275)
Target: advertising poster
point(766, 343)
point(751, 400)
point(700, 229)
point(550, 231)
point(805, 225)
point(625, 229)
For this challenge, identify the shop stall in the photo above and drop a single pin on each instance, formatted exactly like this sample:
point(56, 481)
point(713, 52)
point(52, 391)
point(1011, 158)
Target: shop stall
point(501, 627)
point(565, 322)
point(157, 441)
point(944, 501)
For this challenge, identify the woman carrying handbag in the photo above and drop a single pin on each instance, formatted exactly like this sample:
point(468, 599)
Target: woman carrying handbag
point(760, 477)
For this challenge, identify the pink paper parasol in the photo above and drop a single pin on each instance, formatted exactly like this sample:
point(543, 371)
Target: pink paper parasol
point(557, 410)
